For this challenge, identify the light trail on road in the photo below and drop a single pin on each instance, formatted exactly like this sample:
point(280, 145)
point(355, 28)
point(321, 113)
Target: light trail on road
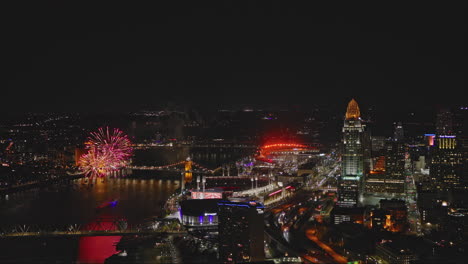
point(310, 233)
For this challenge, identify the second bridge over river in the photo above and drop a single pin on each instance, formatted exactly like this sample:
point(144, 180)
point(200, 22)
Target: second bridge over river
point(99, 227)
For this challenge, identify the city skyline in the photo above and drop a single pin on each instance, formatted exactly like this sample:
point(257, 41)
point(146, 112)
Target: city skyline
point(234, 132)
point(246, 186)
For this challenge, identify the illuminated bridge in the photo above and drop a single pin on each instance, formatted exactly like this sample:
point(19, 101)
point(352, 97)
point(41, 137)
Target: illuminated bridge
point(59, 233)
point(188, 167)
point(196, 145)
point(100, 227)
point(185, 166)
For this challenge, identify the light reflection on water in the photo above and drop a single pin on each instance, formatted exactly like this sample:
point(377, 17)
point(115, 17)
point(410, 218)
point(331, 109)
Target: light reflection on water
point(138, 199)
point(77, 202)
point(96, 249)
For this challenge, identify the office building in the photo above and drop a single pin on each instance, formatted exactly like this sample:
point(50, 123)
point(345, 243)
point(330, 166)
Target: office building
point(393, 253)
point(446, 167)
point(398, 134)
point(444, 119)
point(395, 167)
point(375, 180)
point(397, 214)
point(352, 173)
point(241, 231)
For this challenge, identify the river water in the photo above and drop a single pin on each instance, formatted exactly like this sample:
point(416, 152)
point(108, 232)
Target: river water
point(139, 196)
point(77, 203)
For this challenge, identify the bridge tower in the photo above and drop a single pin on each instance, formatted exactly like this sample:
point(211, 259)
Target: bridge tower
point(188, 170)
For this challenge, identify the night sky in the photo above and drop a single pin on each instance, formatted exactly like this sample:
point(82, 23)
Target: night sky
point(83, 57)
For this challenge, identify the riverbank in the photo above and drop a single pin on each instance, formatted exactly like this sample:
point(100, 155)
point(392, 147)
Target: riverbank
point(39, 184)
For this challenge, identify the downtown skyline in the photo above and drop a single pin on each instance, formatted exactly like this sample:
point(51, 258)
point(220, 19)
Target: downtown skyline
point(234, 132)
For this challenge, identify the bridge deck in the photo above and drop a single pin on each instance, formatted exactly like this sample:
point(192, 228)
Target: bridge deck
point(90, 233)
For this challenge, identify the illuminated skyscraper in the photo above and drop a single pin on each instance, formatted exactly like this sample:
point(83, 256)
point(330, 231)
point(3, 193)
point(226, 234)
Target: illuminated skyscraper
point(375, 180)
point(444, 120)
point(349, 184)
point(460, 124)
point(399, 133)
point(395, 167)
point(446, 166)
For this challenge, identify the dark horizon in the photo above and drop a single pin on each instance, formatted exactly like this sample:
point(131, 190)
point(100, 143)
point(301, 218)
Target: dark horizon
point(233, 132)
point(78, 58)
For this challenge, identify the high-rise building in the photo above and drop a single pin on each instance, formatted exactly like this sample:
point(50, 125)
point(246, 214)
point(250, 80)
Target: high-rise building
point(375, 180)
point(444, 120)
point(460, 121)
point(352, 172)
point(447, 165)
point(378, 144)
point(429, 139)
point(399, 134)
point(388, 174)
point(395, 167)
point(460, 124)
point(366, 153)
point(241, 227)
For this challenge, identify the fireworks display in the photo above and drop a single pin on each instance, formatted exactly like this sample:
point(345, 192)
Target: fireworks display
point(107, 150)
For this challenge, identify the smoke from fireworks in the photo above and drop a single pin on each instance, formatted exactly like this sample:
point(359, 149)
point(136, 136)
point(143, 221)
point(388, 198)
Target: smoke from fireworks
point(108, 150)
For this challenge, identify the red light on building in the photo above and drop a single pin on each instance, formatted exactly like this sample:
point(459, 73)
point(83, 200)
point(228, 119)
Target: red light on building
point(430, 139)
point(379, 167)
point(273, 193)
point(267, 149)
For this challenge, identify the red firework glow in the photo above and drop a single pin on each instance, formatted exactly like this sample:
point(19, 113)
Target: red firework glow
point(108, 150)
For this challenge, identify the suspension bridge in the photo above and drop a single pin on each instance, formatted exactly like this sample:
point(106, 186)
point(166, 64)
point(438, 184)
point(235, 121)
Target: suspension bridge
point(185, 166)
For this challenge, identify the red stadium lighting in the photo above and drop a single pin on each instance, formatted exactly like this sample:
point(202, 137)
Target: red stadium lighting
point(273, 193)
point(266, 149)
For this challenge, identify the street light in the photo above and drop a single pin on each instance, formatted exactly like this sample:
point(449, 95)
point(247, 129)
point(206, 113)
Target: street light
point(252, 180)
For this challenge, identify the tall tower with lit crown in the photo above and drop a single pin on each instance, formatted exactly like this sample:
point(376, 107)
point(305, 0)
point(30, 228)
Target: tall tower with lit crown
point(352, 111)
point(352, 172)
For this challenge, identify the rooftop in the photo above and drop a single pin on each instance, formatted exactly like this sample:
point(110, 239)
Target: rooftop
point(199, 206)
point(353, 112)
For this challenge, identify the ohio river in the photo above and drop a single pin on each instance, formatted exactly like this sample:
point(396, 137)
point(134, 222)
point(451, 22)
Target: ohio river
point(138, 199)
point(140, 196)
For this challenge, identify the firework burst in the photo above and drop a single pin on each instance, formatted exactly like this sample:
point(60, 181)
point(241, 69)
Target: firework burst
point(108, 150)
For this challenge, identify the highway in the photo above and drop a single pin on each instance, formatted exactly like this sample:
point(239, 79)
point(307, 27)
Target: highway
point(310, 233)
point(414, 217)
